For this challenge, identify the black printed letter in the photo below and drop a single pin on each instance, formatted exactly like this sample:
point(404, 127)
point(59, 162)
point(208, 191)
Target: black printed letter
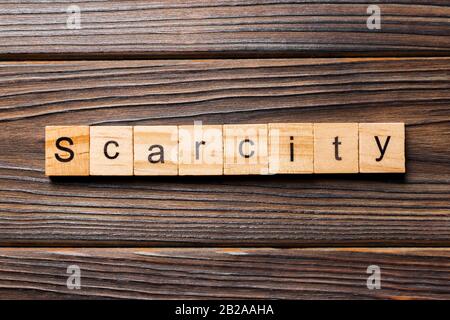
point(336, 148)
point(105, 150)
point(60, 147)
point(197, 149)
point(159, 153)
point(292, 149)
point(382, 149)
point(241, 152)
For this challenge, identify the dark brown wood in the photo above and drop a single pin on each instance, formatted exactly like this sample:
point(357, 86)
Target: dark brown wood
point(215, 213)
point(313, 210)
point(197, 28)
point(225, 273)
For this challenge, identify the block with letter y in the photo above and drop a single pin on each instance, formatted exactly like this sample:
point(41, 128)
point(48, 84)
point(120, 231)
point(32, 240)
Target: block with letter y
point(382, 147)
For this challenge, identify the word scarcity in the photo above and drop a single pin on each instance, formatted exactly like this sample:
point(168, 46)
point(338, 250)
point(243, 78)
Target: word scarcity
point(274, 148)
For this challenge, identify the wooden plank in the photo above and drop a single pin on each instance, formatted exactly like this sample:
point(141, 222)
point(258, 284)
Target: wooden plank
point(197, 28)
point(263, 210)
point(225, 273)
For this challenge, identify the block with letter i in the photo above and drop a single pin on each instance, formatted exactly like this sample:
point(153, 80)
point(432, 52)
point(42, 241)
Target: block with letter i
point(291, 148)
point(245, 149)
point(67, 151)
point(200, 150)
point(155, 150)
point(382, 147)
point(111, 151)
point(336, 148)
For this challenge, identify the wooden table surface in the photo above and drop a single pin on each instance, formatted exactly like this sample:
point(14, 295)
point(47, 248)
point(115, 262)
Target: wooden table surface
point(175, 62)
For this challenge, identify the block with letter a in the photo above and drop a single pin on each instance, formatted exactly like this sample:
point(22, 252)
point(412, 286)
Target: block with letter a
point(155, 150)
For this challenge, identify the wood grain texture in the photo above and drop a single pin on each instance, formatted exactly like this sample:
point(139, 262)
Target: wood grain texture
point(199, 28)
point(225, 273)
point(247, 211)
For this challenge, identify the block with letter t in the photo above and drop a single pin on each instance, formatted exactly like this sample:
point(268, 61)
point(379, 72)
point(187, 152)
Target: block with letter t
point(336, 148)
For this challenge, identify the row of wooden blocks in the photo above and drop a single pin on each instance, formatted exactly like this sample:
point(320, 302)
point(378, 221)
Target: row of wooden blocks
point(275, 148)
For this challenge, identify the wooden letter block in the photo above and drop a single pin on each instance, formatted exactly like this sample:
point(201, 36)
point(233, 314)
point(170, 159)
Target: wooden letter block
point(336, 148)
point(200, 150)
point(155, 150)
point(291, 148)
point(245, 148)
point(67, 151)
point(382, 147)
point(111, 151)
